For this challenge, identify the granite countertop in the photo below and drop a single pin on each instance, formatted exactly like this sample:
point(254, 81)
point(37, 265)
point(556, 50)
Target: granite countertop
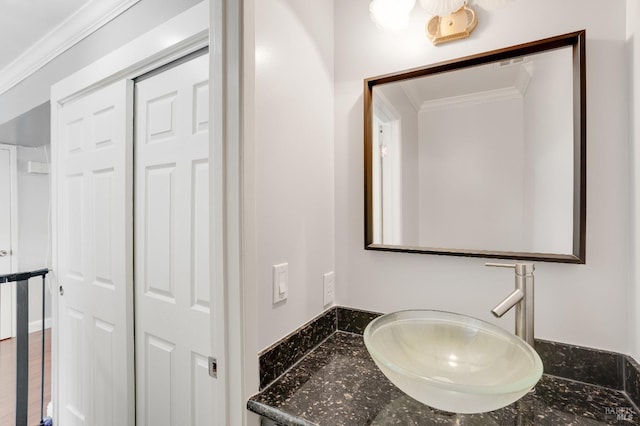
point(338, 384)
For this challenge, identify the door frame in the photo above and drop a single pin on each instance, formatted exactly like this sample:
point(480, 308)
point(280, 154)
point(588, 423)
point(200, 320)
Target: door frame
point(15, 249)
point(179, 36)
point(232, 62)
point(387, 173)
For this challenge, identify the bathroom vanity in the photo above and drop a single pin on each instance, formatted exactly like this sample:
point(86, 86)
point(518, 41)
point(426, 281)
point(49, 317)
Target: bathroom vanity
point(425, 162)
point(337, 383)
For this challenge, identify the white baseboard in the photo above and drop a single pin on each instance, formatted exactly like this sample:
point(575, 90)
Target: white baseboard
point(37, 325)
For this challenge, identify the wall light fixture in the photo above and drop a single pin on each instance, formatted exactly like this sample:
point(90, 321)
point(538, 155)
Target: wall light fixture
point(451, 19)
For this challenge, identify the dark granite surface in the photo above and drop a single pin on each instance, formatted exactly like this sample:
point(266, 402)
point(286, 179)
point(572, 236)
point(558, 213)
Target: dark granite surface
point(632, 380)
point(583, 364)
point(280, 356)
point(337, 383)
point(354, 320)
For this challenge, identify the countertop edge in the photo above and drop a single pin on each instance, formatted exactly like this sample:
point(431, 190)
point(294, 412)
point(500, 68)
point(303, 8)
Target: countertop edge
point(277, 415)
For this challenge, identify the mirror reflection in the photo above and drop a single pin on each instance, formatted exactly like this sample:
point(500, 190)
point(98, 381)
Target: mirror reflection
point(479, 160)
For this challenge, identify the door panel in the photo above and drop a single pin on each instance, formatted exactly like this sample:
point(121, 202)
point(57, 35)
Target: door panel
point(200, 288)
point(94, 244)
point(173, 318)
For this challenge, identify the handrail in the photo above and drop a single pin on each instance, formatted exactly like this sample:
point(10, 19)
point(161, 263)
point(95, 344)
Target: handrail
point(21, 276)
point(22, 342)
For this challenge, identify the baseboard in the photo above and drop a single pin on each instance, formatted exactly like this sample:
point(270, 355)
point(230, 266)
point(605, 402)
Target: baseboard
point(37, 325)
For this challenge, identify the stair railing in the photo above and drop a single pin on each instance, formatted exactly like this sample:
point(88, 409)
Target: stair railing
point(22, 342)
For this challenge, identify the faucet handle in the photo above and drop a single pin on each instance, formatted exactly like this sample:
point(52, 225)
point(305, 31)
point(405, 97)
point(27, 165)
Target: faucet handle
point(501, 265)
point(521, 268)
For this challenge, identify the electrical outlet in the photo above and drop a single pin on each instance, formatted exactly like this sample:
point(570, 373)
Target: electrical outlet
point(280, 282)
point(329, 287)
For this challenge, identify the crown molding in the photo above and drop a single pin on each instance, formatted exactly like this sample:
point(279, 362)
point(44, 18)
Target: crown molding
point(503, 94)
point(76, 27)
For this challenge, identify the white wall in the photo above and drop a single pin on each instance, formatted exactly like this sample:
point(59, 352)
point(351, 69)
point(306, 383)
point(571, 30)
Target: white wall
point(549, 152)
point(462, 206)
point(294, 176)
point(580, 304)
point(409, 145)
point(633, 52)
point(140, 18)
point(33, 232)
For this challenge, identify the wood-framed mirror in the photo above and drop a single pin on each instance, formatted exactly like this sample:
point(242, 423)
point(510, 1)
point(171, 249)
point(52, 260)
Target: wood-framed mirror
point(481, 156)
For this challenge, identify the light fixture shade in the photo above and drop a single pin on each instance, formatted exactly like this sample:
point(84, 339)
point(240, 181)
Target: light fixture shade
point(391, 14)
point(441, 7)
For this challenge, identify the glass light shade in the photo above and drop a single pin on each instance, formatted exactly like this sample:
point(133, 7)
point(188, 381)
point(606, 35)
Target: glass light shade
point(391, 14)
point(441, 7)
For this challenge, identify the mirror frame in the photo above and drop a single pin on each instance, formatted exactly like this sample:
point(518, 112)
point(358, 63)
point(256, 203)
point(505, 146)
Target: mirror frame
point(576, 40)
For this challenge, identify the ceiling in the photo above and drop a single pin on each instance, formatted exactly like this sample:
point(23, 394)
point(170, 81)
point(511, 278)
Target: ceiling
point(25, 22)
point(32, 32)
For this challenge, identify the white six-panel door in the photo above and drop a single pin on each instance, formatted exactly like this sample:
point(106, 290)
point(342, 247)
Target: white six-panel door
point(94, 259)
point(173, 301)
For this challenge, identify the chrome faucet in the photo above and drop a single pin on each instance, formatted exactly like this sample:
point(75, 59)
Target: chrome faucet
point(521, 298)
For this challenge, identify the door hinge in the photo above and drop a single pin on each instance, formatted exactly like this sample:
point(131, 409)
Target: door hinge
point(213, 367)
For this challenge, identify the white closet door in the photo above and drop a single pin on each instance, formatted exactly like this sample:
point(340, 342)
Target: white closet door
point(94, 252)
point(173, 304)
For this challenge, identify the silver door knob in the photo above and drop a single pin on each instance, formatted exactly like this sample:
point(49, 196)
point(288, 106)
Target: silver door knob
point(3, 253)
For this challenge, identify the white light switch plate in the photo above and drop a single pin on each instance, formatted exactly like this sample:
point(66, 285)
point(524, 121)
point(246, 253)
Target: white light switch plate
point(329, 288)
point(280, 282)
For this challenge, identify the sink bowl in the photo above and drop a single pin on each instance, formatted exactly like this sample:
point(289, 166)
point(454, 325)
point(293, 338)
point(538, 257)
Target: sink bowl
point(452, 362)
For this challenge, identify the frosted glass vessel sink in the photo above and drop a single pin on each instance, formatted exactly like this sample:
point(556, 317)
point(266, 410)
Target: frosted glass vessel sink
point(452, 362)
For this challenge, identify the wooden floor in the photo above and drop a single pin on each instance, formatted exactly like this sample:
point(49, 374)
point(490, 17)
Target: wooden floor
point(8, 378)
